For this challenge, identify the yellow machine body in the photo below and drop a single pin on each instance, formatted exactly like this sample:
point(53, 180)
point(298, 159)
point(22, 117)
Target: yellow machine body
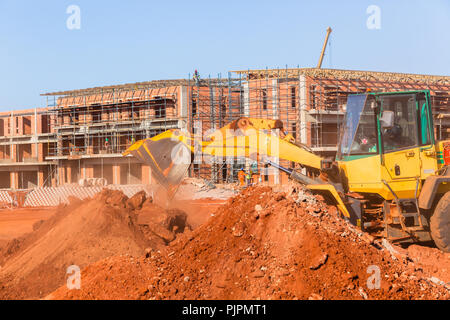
point(389, 169)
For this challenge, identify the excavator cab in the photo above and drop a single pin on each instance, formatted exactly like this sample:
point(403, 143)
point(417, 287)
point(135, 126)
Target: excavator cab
point(391, 165)
point(387, 138)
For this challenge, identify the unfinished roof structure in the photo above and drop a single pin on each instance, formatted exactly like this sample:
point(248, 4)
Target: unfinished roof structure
point(136, 86)
point(81, 134)
point(345, 75)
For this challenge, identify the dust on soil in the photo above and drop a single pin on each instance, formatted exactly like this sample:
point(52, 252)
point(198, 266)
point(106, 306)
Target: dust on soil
point(431, 260)
point(17, 222)
point(79, 234)
point(268, 245)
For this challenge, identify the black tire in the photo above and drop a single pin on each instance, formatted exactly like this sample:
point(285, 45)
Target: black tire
point(440, 223)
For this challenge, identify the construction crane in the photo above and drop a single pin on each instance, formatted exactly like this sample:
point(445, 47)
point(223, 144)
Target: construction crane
point(390, 177)
point(319, 65)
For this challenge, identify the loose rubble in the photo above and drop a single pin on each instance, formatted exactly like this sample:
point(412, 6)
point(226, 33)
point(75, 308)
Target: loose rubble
point(81, 233)
point(263, 245)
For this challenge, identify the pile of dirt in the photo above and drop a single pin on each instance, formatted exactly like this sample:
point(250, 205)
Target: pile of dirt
point(81, 233)
point(262, 244)
point(432, 261)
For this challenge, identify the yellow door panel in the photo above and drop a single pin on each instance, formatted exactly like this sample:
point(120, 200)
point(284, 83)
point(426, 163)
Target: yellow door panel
point(362, 171)
point(403, 164)
point(428, 157)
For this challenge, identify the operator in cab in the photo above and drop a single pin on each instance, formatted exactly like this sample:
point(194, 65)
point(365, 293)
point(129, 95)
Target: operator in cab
point(393, 138)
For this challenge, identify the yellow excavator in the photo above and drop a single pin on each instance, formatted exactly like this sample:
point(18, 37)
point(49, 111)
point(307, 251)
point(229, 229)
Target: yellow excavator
point(390, 177)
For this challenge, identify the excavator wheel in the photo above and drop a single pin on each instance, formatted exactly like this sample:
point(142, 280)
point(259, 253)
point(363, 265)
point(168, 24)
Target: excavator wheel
point(440, 223)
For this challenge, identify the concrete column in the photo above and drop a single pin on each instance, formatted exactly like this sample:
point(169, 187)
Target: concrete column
point(88, 171)
point(246, 99)
point(14, 179)
point(34, 150)
point(54, 181)
point(37, 151)
point(83, 170)
point(303, 110)
point(37, 123)
point(60, 180)
point(184, 105)
point(275, 113)
point(183, 109)
point(40, 178)
point(20, 129)
point(116, 174)
point(69, 173)
point(14, 153)
point(13, 125)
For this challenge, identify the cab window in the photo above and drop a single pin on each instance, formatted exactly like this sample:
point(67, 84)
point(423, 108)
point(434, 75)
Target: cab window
point(402, 133)
point(425, 138)
point(365, 140)
point(359, 134)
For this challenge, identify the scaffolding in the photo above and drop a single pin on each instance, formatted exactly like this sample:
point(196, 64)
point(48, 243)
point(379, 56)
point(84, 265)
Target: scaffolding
point(105, 125)
point(100, 123)
point(318, 99)
point(212, 104)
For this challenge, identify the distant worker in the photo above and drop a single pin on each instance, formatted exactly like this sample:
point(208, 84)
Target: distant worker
point(241, 177)
point(106, 143)
point(253, 172)
point(248, 178)
point(196, 77)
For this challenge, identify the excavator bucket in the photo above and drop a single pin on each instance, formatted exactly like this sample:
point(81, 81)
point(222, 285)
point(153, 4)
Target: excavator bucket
point(168, 159)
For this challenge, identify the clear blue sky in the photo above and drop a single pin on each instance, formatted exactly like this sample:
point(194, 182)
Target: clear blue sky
point(131, 41)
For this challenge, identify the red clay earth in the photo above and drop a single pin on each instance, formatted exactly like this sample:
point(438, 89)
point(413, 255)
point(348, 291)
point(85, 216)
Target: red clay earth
point(431, 260)
point(35, 264)
point(267, 245)
point(15, 223)
point(199, 210)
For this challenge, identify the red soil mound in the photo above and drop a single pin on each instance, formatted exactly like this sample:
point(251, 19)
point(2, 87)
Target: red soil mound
point(78, 234)
point(431, 260)
point(264, 245)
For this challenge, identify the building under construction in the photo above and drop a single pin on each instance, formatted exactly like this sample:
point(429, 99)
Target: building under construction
point(81, 134)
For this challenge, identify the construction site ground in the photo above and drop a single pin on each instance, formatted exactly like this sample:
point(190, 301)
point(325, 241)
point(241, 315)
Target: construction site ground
point(221, 243)
point(16, 222)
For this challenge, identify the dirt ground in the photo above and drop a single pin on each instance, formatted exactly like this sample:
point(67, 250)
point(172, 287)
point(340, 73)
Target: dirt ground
point(262, 243)
point(199, 210)
point(38, 245)
point(17, 222)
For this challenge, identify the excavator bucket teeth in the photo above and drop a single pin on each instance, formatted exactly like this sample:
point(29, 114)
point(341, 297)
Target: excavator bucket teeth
point(168, 159)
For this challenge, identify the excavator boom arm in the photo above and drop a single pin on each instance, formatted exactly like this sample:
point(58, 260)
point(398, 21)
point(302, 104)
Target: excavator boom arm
point(169, 153)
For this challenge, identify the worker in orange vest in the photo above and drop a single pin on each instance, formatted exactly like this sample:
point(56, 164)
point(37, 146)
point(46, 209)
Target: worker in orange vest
point(241, 177)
